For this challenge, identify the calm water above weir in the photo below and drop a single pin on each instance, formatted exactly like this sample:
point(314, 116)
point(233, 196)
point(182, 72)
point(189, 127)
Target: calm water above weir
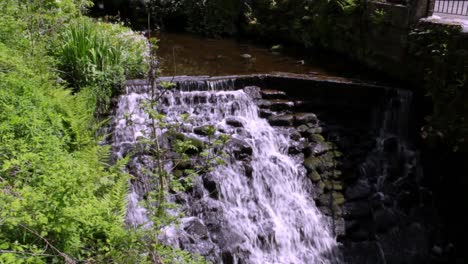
point(184, 54)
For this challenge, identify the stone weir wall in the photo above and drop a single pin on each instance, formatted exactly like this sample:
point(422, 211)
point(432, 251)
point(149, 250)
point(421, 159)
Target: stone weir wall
point(357, 146)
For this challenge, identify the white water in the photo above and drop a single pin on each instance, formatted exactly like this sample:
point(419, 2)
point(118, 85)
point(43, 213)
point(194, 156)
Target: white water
point(271, 212)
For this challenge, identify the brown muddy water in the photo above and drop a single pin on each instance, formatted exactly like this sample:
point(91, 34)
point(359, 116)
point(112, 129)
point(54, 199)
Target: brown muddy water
point(185, 54)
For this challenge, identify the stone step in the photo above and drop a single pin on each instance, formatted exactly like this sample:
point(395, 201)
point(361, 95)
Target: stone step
point(276, 104)
point(281, 120)
point(285, 118)
point(272, 94)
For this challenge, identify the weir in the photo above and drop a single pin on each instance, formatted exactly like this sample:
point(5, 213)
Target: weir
point(266, 204)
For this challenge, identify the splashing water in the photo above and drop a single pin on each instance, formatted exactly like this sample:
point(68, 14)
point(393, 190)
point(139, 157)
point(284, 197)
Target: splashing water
point(264, 211)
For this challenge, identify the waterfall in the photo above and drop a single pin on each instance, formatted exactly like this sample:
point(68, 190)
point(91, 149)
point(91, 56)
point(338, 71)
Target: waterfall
point(257, 207)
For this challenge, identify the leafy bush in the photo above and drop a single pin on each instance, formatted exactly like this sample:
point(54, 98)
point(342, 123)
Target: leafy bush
point(54, 187)
point(100, 55)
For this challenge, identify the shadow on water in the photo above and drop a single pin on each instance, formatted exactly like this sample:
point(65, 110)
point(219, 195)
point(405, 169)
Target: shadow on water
point(186, 54)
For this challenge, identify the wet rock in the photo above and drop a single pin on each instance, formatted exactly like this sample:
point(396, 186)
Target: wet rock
point(234, 122)
point(293, 150)
point(314, 176)
point(437, 250)
point(325, 199)
point(276, 104)
point(334, 198)
point(240, 148)
point(202, 130)
point(246, 56)
point(196, 228)
point(320, 188)
point(227, 258)
point(316, 138)
point(295, 135)
point(310, 163)
point(302, 129)
point(248, 169)
point(338, 198)
point(304, 118)
point(331, 174)
point(281, 120)
point(359, 190)
point(318, 149)
point(272, 94)
point(253, 92)
point(265, 113)
point(314, 130)
point(211, 186)
point(333, 185)
point(276, 48)
point(321, 163)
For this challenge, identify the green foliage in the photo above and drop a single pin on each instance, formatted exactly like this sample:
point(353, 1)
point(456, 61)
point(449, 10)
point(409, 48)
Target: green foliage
point(61, 200)
point(52, 177)
point(101, 56)
point(213, 17)
point(301, 21)
point(206, 17)
point(446, 83)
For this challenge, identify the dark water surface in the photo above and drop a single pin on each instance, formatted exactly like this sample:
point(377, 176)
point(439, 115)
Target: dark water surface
point(185, 54)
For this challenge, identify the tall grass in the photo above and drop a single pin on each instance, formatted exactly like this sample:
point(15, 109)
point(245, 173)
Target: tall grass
point(85, 54)
point(99, 56)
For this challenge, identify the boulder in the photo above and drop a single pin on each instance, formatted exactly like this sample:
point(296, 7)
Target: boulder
point(234, 122)
point(240, 148)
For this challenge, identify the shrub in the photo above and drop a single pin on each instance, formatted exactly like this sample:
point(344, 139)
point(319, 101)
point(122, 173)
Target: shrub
point(101, 56)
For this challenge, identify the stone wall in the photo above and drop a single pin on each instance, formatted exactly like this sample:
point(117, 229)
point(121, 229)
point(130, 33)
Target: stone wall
point(357, 144)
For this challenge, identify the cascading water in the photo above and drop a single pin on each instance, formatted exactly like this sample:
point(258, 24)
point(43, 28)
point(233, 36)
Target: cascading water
point(258, 207)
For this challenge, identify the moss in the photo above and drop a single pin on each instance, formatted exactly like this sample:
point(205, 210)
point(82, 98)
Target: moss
point(314, 176)
point(338, 198)
point(333, 185)
point(317, 138)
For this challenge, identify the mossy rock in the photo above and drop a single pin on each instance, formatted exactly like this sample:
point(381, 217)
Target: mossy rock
point(334, 174)
point(333, 185)
point(320, 187)
point(321, 163)
point(314, 176)
point(338, 198)
point(316, 138)
point(337, 154)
